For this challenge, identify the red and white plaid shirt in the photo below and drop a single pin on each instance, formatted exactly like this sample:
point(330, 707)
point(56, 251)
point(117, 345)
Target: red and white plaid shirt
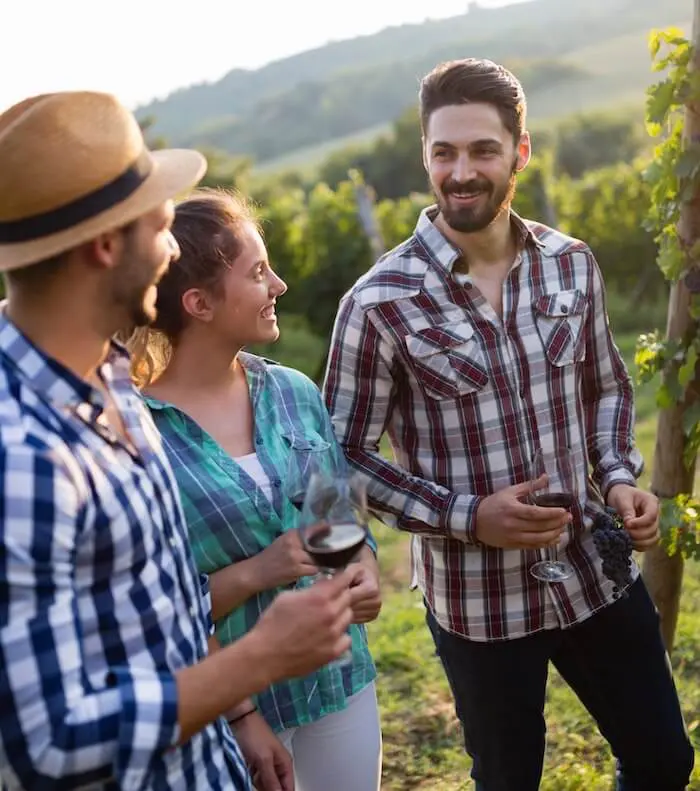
point(465, 398)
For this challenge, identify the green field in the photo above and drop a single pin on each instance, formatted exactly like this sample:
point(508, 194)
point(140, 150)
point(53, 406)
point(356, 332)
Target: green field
point(422, 739)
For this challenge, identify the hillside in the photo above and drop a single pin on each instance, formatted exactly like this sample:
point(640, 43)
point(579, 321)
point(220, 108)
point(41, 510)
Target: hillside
point(571, 56)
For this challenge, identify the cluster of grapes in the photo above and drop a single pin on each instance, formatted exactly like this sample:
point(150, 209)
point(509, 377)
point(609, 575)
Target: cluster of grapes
point(614, 546)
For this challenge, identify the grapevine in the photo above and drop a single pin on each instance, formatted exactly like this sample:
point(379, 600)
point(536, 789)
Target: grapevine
point(674, 176)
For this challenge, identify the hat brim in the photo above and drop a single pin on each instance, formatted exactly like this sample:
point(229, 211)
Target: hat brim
point(175, 171)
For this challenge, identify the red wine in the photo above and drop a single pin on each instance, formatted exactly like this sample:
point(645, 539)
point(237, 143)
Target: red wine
point(554, 500)
point(337, 545)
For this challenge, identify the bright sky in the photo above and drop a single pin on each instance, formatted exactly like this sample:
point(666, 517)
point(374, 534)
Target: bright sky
point(139, 49)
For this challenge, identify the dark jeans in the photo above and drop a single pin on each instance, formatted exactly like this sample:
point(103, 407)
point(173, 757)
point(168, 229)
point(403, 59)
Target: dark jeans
point(617, 665)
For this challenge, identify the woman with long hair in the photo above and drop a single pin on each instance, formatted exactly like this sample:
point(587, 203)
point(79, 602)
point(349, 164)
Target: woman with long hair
point(242, 435)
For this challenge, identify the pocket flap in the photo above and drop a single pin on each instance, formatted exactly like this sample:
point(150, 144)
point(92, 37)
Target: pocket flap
point(309, 442)
point(561, 303)
point(440, 338)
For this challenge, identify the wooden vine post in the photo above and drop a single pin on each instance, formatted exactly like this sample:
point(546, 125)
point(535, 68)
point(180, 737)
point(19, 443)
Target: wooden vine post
point(673, 114)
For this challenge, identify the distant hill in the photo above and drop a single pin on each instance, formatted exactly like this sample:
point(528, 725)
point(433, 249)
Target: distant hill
point(571, 55)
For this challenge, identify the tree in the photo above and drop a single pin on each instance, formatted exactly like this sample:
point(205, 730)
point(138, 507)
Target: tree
point(333, 252)
point(593, 140)
point(673, 112)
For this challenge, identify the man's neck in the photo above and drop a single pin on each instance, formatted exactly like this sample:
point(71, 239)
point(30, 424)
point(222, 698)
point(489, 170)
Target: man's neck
point(62, 334)
point(493, 247)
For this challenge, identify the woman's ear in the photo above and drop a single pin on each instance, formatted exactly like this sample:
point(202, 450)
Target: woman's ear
point(198, 304)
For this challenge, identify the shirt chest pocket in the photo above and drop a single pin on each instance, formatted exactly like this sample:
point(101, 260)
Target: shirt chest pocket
point(560, 319)
point(306, 453)
point(447, 360)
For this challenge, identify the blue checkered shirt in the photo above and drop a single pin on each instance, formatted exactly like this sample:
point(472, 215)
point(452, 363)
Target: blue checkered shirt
point(100, 602)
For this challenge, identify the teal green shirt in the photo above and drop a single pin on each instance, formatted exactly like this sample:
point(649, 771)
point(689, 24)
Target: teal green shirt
point(230, 518)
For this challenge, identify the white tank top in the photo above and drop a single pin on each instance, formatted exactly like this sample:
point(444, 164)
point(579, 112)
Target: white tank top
point(251, 464)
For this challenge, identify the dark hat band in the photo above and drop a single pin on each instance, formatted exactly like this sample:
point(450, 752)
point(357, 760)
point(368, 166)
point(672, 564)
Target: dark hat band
point(84, 208)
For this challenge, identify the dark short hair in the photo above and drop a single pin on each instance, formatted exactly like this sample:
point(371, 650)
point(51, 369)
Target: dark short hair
point(474, 80)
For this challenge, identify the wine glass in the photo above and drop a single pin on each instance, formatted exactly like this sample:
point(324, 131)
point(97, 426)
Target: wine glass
point(334, 525)
point(561, 491)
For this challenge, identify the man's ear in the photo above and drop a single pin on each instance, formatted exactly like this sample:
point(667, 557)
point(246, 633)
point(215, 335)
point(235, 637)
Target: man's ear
point(524, 152)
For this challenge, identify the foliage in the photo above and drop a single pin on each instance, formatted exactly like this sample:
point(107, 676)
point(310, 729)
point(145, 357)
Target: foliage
point(604, 208)
point(681, 516)
point(326, 251)
point(590, 141)
point(674, 178)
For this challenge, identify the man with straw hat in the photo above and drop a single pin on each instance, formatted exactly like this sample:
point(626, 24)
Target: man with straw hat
point(105, 680)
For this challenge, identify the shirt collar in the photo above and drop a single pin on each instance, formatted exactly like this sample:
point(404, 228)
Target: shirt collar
point(49, 378)
point(445, 254)
point(256, 370)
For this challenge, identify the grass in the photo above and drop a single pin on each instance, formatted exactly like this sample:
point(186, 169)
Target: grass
point(422, 739)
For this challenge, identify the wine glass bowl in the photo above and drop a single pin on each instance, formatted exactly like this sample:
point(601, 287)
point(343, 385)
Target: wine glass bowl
point(334, 524)
point(559, 491)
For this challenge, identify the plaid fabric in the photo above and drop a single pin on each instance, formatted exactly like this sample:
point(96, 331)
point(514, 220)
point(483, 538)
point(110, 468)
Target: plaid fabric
point(99, 598)
point(230, 518)
point(465, 399)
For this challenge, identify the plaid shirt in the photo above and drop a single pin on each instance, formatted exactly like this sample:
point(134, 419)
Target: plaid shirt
point(465, 398)
point(230, 517)
point(100, 603)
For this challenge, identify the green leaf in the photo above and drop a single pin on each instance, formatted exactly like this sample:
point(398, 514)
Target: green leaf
point(671, 259)
point(686, 373)
point(691, 418)
point(660, 100)
point(664, 397)
point(688, 164)
point(654, 43)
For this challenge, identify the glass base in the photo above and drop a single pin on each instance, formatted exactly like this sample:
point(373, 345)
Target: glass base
point(551, 571)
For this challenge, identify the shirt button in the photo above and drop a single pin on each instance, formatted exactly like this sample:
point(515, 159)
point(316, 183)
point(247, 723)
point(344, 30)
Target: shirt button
point(193, 611)
point(564, 309)
point(172, 542)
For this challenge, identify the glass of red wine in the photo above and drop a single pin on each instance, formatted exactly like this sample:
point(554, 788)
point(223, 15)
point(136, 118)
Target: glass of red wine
point(334, 525)
point(561, 491)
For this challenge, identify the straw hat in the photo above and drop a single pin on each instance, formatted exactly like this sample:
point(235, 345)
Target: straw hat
point(74, 165)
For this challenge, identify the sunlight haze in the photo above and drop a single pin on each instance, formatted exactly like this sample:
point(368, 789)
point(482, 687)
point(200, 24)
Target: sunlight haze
point(141, 49)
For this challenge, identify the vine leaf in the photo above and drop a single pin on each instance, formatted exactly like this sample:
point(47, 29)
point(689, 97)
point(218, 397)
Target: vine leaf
point(688, 165)
point(660, 100)
point(674, 177)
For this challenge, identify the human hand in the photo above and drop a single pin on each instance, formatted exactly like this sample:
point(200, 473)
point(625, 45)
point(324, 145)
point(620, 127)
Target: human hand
point(283, 562)
point(303, 630)
point(365, 593)
point(639, 511)
point(268, 760)
point(505, 520)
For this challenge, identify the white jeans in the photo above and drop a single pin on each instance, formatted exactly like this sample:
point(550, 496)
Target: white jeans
point(341, 751)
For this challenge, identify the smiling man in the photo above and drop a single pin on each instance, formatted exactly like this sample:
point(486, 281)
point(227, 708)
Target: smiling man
point(476, 342)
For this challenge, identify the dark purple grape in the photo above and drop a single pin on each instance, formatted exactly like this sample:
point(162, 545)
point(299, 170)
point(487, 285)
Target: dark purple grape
point(614, 546)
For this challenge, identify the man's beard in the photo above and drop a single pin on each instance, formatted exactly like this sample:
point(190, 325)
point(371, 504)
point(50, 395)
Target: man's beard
point(492, 201)
point(130, 288)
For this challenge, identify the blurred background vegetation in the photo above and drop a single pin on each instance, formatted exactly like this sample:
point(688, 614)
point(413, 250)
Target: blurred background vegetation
point(305, 135)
